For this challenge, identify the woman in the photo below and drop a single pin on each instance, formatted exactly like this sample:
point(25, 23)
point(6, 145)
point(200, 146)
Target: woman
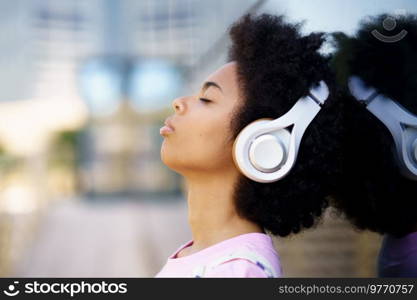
point(270, 66)
point(373, 192)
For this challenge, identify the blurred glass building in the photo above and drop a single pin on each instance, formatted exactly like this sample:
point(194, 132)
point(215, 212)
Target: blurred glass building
point(111, 69)
point(86, 87)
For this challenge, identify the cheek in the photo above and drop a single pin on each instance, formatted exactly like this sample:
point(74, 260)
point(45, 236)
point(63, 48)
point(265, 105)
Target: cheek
point(205, 141)
point(201, 145)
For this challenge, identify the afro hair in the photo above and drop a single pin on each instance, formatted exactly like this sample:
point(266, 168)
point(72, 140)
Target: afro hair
point(371, 192)
point(276, 67)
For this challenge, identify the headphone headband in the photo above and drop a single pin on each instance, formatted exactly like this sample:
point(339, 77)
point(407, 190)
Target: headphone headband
point(400, 122)
point(266, 150)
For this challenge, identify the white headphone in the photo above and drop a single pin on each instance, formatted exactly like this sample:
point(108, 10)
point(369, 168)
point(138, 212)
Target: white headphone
point(401, 123)
point(265, 150)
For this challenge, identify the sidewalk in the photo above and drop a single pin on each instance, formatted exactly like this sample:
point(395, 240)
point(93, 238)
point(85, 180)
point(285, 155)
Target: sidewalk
point(110, 239)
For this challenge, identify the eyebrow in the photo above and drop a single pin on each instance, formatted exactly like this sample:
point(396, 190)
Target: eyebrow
point(208, 84)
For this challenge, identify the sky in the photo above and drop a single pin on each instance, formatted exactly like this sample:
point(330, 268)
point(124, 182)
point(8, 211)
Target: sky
point(337, 15)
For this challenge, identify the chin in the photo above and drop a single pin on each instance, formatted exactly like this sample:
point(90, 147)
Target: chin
point(164, 155)
point(168, 158)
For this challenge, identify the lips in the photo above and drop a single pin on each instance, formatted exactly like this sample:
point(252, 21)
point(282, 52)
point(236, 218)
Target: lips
point(169, 124)
point(167, 129)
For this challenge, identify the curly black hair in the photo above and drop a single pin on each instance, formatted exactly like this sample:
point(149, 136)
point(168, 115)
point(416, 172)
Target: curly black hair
point(371, 192)
point(276, 66)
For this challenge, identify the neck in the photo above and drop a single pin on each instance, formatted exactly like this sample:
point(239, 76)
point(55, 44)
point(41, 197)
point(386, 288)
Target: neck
point(211, 211)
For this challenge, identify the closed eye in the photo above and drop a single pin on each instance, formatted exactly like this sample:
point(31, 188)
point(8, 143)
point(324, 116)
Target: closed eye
point(205, 100)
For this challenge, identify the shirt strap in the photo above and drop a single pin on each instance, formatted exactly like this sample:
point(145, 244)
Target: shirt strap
point(252, 256)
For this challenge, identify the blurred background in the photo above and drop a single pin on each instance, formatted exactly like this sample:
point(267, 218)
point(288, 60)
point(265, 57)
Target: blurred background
point(85, 87)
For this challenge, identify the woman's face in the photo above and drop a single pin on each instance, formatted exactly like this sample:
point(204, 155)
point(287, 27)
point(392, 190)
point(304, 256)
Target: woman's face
point(200, 141)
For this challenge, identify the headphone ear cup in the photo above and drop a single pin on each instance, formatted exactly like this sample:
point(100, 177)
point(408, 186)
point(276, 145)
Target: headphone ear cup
point(268, 152)
point(235, 150)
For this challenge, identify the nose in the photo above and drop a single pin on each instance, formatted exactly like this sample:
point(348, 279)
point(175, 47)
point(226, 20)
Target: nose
point(179, 105)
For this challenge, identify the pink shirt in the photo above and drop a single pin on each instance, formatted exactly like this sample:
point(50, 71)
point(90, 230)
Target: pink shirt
point(246, 255)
